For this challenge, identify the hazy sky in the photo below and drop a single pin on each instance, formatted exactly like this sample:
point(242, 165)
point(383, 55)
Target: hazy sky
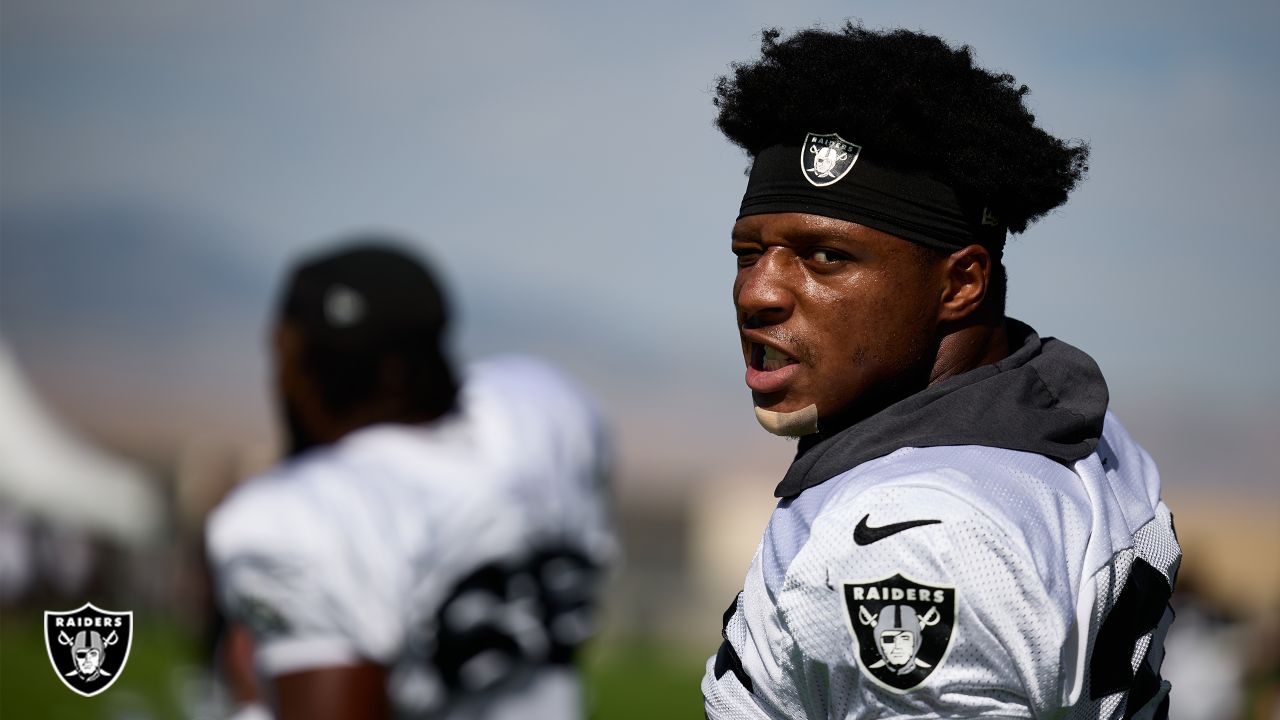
point(161, 161)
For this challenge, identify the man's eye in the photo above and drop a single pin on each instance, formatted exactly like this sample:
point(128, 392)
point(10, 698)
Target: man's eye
point(746, 258)
point(825, 256)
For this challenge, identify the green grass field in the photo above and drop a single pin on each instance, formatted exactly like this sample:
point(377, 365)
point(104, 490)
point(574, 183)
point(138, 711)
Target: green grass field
point(625, 680)
point(638, 680)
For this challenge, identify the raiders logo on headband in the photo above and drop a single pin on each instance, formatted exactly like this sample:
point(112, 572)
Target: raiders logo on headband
point(88, 646)
point(902, 629)
point(827, 158)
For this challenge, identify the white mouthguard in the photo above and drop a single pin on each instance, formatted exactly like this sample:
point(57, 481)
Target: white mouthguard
point(792, 424)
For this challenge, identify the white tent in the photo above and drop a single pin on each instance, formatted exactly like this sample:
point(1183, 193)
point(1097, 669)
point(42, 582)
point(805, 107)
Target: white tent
point(49, 471)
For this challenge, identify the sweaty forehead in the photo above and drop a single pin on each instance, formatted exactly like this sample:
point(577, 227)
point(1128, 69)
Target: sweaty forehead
point(793, 223)
point(804, 229)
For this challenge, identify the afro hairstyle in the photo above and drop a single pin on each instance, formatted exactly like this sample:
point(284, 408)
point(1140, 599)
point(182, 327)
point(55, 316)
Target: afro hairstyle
point(914, 103)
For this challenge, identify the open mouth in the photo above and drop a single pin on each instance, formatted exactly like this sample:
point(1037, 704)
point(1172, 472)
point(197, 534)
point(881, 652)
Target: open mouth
point(769, 370)
point(768, 359)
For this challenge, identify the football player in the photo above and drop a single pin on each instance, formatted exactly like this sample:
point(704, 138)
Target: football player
point(433, 546)
point(966, 529)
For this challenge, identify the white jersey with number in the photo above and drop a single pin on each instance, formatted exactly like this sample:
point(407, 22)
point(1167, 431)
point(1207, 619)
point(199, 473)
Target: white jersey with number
point(959, 581)
point(463, 555)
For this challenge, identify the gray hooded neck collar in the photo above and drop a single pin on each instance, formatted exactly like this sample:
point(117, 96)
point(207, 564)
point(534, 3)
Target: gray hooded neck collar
point(1047, 397)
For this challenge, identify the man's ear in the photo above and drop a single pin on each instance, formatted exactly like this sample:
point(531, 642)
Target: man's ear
point(966, 280)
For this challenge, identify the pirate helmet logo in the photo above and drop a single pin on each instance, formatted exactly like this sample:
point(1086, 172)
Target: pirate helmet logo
point(902, 629)
point(88, 646)
point(89, 649)
point(825, 159)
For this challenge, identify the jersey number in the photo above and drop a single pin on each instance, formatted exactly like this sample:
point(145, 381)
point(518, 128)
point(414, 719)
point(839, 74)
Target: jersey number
point(1138, 611)
point(506, 615)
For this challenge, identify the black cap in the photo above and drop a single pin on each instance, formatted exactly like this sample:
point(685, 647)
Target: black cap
point(369, 293)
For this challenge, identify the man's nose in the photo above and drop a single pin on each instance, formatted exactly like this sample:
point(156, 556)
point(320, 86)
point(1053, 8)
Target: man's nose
point(765, 295)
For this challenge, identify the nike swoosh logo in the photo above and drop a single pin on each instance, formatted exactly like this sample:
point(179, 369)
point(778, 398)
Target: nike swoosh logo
point(864, 534)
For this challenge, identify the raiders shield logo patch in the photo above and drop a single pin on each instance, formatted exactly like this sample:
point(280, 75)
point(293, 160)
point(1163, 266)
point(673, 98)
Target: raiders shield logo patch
point(902, 629)
point(88, 646)
point(827, 158)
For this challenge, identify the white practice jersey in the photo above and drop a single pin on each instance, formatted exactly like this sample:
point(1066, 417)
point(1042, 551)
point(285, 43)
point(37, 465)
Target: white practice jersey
point(464, 555)
point(958, 581)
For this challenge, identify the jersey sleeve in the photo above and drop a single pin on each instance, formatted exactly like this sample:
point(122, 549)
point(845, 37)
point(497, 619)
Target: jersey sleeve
point(907, 599)
point(947, 602)
point(280, 574)
point(744, 680)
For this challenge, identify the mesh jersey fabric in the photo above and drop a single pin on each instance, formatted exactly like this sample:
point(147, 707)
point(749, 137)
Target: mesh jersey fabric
point(373, 548)
point(1039, 556)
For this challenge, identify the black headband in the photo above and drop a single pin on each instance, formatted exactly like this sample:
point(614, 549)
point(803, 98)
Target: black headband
point(830, 176)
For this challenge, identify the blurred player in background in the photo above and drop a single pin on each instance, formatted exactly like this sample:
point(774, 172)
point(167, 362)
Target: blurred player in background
point(434, 545)
point(966, 530)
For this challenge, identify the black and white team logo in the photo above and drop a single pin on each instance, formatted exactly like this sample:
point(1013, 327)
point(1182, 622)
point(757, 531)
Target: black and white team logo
point(902, 627)
point(827, 158)
point(88, 646)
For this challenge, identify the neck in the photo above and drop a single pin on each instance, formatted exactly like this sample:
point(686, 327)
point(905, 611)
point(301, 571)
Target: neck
point(327, 429)
point(960, 350)
point(968, 347)
point(355, 422)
